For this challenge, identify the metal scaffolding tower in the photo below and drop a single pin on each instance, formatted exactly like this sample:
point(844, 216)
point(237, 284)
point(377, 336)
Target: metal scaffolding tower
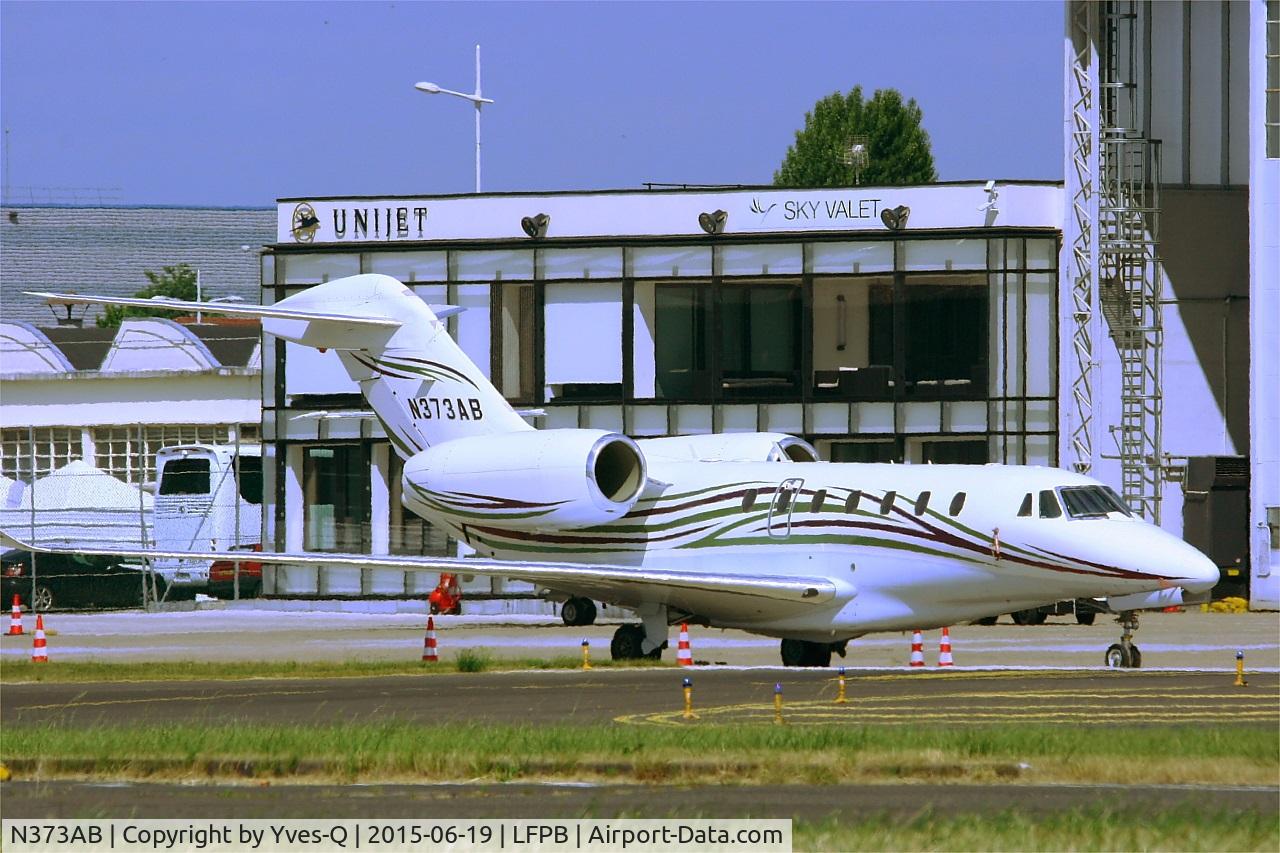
point(1113, 184)
point(1081, 235)
point(1129, 279)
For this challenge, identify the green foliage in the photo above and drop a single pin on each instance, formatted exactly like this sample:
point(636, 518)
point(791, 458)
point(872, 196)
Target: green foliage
point(897, 143)
point(176, 282)
point(474, 660)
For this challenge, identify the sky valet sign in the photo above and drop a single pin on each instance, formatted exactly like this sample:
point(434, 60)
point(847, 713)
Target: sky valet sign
point(585, 215)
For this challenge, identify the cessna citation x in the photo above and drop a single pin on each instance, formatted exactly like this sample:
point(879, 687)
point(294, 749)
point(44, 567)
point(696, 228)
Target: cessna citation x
point(743, 530)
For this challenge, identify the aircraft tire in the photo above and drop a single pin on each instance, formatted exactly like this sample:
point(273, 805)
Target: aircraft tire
point(986, 620)
point(627, 644)
point(578, 611)
point(804, 653)
point(1085, 617)
point(1031, 616)
point(1118, 657)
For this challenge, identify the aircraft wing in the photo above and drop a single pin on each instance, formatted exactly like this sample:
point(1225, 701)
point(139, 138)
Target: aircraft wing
point(691, 591)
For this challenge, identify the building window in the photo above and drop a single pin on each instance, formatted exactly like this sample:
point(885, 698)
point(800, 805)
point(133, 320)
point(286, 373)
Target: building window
point(129, 452)
point(759, 339)
point(967, 451)
point(1272, 99)
point(861, 451)
point(515, 370)
point(409, 533)
point(945, 350)
point(680, 333)
point(853, 337)
point(26, 454)
point(335, 484)
point(583, 340)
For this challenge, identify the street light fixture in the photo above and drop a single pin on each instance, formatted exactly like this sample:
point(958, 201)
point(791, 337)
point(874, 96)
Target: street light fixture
point(475, 98)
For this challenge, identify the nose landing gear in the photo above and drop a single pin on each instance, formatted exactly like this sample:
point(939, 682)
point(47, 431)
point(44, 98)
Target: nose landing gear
point(1124, 654)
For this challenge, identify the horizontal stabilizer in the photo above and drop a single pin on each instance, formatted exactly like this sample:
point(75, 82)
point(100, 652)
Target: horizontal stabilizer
point(231, 309)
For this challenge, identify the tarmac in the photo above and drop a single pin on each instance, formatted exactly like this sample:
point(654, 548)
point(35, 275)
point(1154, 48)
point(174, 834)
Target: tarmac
point(652, 696)
point(1189, 639)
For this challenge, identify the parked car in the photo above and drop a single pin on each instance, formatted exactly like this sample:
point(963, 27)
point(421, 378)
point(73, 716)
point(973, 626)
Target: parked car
point(70, 580)
point(222, 576)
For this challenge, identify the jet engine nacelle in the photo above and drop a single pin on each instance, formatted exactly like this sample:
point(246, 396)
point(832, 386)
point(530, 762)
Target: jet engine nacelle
point(731, 447)
point(548, 479)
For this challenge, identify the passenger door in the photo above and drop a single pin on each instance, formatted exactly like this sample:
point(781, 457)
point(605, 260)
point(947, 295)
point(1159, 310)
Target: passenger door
point(784, 503)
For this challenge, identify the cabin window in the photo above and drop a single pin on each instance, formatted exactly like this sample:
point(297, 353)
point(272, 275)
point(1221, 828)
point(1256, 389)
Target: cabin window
point(784, 501)
point(887, 503)
point(957, 503)
point(185, 477)
point(819, 497)
point(1049, 505)
point(922, 503)
point(851, 502)
point(749, 499)
point(249, 469)
point(1024, 511)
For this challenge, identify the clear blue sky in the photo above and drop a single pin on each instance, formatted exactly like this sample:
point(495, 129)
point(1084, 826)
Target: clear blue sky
point(242, 103)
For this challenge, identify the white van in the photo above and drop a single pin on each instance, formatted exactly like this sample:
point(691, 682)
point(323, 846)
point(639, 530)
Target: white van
point(207, 499)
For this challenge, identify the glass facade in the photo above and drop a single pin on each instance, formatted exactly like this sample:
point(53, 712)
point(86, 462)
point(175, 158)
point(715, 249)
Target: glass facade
point(895, 348)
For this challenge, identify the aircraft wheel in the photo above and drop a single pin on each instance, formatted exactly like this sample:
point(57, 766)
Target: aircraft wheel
point(1032, 616)
point(1085, 617)
point(1118, 657)
point(1135, 662)
point(628, 644)
point(803, 653)
point(986, 620)
point(578, 611)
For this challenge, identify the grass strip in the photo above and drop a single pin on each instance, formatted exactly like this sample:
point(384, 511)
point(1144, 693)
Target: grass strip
point(468, 660)
point(735, 754)
point(1075, 829)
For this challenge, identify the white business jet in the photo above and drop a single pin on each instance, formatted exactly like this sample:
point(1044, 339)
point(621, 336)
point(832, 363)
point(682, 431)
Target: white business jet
point(744, 530)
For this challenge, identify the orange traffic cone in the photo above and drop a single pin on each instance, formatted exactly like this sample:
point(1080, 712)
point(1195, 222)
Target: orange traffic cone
point(39, 654)
point(15, 619)
point(429, 647)
point(684, 654)
point(944, 649)
point(917, 648)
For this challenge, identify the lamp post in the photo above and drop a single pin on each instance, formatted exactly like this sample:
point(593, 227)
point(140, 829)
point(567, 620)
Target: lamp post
point(474, 97)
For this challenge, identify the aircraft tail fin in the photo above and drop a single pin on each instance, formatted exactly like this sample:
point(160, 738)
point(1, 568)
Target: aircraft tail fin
point(421, 385)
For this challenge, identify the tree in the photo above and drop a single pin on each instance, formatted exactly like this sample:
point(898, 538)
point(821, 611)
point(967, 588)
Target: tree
point(897, 143)
point(178, 282)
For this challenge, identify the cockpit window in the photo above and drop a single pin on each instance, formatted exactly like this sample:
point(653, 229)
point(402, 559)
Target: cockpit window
point(1024, 511)
point(1049, 505)
point(1092, 501)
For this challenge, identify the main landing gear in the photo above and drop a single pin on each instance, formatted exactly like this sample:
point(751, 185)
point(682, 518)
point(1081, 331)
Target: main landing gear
point(626, 644)
point(646, 640)
point(805, 653)
point(1124, 654)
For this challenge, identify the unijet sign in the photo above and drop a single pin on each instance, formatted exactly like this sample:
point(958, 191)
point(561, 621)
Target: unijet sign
point(327, 223)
